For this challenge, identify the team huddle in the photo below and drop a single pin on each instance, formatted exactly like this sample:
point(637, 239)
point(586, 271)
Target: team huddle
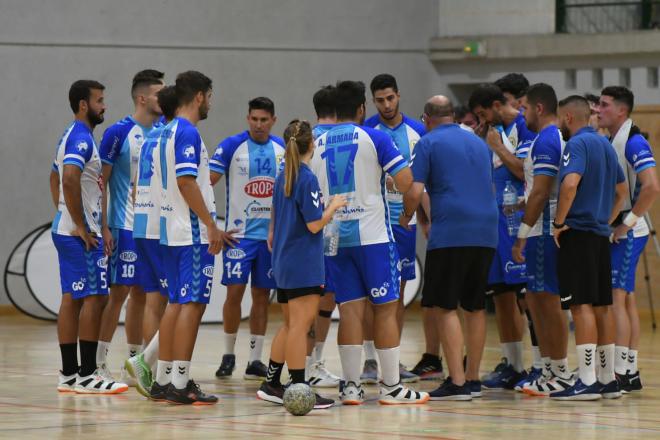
point(511, 201)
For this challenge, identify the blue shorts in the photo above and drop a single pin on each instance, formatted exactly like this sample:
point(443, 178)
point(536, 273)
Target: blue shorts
point(248, 257)
point(329, 286)
point(82, 273)
point(366, 271)
point(503, 269)
point(150, 268)
point(124, 259)
point(405, 243)
point(541, 260)
point(625, 256)
point(189, 272)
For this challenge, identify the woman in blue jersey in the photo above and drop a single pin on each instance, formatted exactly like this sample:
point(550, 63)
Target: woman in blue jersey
point(297, 217)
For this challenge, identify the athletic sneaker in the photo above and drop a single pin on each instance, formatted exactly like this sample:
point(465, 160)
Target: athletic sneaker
point(406, 376)
point(544, 386)
point(498, 369)
point(450, 391)
point(611, 390)
point(634, 381)
point(271, 393)
point(190, 395)
point(579, 391)
point(140, 372)
point(369, 372)
point(400, 395)
point(227, 366)
point(319, 376)
point(429, 368)
point(350, 393)
point(475, 387)
point(103, 371)
point(624, 383)
point(158, 392)
point(97, 384)
point(67, 384)
point(323, 403)
point(505, 379)
point(126, 378)
point(532, 375)
point(255, 370)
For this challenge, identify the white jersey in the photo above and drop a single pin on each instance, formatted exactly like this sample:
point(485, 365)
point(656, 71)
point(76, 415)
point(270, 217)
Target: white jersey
point(543, 159)
point(149, 186)
point(352, 160)
point(183, 154)
point(77, 147)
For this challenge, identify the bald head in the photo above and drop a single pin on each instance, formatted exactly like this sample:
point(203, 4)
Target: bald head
point(439, 106)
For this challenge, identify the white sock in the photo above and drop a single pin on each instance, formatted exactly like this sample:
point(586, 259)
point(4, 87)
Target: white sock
point(180, 374)
point(389, 365)
point(547, 366)
point(606, 363)
point(513, 352)
point(163, 372)
point(369, 350)
point(318, 351)
point(308, 366)
point(230, 342)
point(632, 361)
point(559, 368)
point(134, 349)
point(256, 347)
point(351, 362)
point(586, 354)
point(537, 362)
point(102, 352)
point(620, 359)
point(151, 351)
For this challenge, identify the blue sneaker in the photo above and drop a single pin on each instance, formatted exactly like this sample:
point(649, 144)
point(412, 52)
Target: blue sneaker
point(450, 391)
point(475, 387)
point(496, 371)
point(534, 374)
point(579, 391)
point(506, 379)
point(610, 391)
point(369, 372)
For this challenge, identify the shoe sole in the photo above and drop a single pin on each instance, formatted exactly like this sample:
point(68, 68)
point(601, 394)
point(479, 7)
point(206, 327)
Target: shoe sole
point(461, 398)
point(477, 395)
point(65, 390)
point(614, 395)
point(432, 376)
point(324, 406)
point(324, 385)
point(253, 377)
point(268, 398)
point(352, 402)
point(138, 387)
point(579, 397)
point(220, 376)
point(117, 391)
point(404, 402)
point(157, 399)
point(409, 379)
point(534, 393)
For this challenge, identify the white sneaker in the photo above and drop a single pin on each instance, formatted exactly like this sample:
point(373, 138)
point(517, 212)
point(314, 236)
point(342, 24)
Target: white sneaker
point(67, 384)
point(127, 378)
point(97, 384)
point(319, 376)
point(544, 386)
point(351, 394)
point(400, 395)
point(103, 371)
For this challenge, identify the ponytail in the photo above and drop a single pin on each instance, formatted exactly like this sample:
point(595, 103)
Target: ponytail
point(298, 136)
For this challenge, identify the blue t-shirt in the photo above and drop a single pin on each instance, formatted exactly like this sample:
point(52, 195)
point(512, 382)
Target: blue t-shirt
point(297, 253)
point(319, 129)
point(455, 166)
point(592, 157)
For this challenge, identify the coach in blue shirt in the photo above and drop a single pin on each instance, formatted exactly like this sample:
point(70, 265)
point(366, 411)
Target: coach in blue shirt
point(455, 167)
point(590, 198)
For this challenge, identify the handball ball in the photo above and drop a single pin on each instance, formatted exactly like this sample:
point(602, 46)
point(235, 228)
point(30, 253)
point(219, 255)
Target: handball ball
point(299, 399)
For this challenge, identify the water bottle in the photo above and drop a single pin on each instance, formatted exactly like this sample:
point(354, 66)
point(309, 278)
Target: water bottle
point(331, 239)
point(510, 208)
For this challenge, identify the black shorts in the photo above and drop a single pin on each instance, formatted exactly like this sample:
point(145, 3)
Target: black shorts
point(584, 269)
point(285, 295)
point(500, 288)
point(457, 275)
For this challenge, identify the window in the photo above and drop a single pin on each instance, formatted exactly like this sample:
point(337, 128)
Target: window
point(571, 79)
point(652, 77)
point(597, 79)
point(624, 76)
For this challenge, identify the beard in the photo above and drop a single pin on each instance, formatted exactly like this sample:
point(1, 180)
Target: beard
point(203, 111)
point(94, 118)
point(394, 113)
point(565, 132)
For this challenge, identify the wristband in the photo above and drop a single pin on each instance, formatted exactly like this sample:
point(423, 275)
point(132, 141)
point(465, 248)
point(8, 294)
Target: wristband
point(558, 225)
point(630, 219)
point(524, 230)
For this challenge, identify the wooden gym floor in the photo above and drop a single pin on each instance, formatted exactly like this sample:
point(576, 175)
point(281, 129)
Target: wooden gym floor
point(31, 408)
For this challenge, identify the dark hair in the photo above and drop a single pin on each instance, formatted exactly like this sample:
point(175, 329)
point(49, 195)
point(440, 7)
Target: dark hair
point(382, 82)
point(148, 77)
point(189, 84)
point(324, 102)
point(168, 102)
point(80, 90)
point(298, 138)
point(350, 96)
point(579, 102)
point(620, 94)
point(590, 97)
point(542, 93)
point(262, 103)
point(485, 95)
point(514, 83)
point(461, 111)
